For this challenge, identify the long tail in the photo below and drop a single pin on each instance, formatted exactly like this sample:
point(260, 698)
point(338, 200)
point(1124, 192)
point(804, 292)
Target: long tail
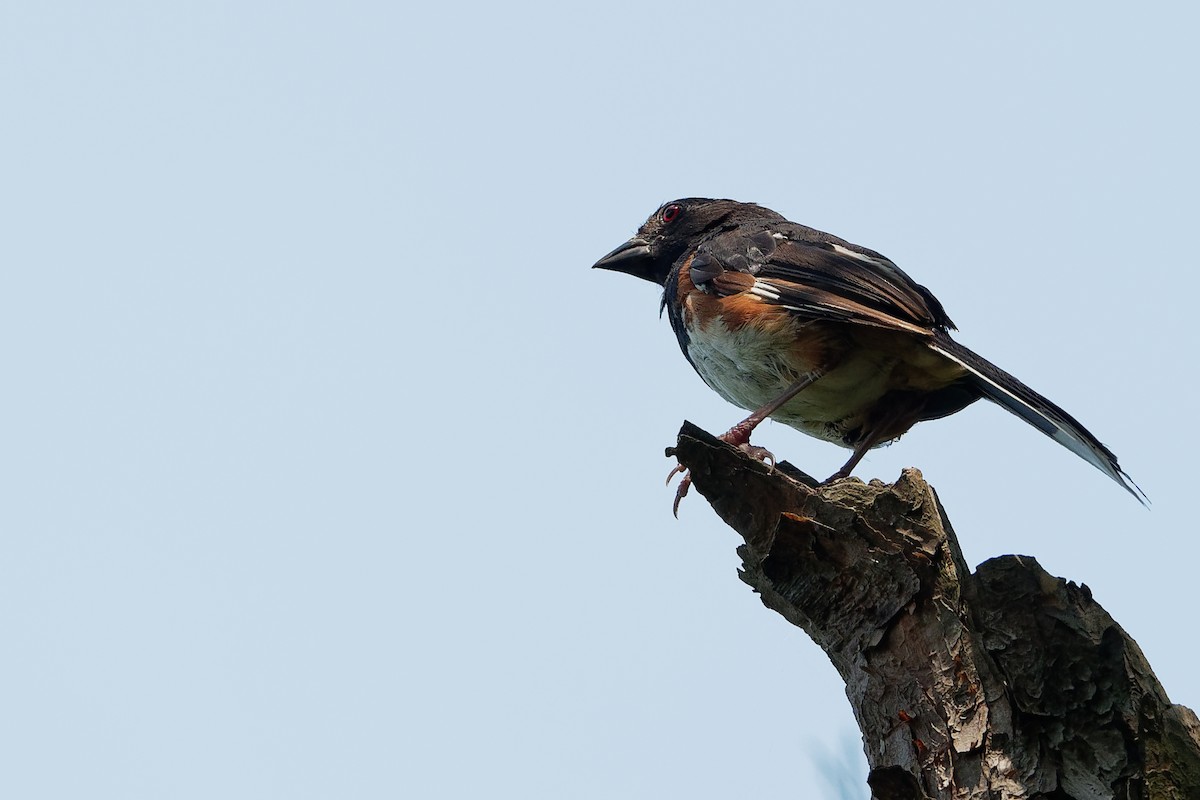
point(1017, 398)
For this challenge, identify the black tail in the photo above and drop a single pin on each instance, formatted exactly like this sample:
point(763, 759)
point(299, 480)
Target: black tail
point(1017, 398)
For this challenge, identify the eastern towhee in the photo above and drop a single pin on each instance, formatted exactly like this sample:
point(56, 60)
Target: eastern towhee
point(828, 337)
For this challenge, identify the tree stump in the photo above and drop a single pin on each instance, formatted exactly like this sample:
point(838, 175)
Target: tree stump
point(1004, 683)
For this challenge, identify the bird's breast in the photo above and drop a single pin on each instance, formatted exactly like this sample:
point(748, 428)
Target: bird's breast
point(750, 352)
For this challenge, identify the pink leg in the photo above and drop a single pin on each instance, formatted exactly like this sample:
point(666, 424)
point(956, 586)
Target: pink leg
point(739, 435)
point(849, 466)
point(889, 425)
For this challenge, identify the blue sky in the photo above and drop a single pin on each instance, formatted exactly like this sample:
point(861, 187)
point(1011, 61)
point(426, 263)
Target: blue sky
point(332, 470)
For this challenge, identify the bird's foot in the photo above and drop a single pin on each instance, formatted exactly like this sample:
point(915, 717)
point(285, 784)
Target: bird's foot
point(739, 437)
point(837, 476)
point(759, 454)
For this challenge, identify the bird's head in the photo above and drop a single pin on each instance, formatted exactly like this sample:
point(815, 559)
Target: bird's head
point(673, 229)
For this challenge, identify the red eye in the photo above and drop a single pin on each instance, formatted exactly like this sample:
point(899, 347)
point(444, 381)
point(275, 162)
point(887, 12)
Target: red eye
point(671, 213)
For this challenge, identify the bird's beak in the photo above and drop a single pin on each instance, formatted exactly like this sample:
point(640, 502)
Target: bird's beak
point(633, 258)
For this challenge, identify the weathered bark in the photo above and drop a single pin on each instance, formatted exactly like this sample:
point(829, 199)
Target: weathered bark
point(1005, 683)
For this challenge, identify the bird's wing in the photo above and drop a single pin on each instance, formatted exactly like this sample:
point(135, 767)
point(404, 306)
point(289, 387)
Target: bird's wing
point(817, 276)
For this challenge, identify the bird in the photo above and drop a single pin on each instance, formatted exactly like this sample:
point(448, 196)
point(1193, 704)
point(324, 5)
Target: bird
point(828, 337)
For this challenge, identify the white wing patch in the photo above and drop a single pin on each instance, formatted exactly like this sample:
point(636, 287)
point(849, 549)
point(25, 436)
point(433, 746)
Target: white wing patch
point(882, 263)
point(764, 290)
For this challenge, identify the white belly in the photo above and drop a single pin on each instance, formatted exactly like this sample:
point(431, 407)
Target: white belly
point(749, 369)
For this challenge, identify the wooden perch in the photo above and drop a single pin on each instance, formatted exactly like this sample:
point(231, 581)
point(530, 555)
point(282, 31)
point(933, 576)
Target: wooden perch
point(1005, 683)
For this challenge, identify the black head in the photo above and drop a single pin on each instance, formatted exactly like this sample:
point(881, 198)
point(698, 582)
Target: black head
point(673, 229)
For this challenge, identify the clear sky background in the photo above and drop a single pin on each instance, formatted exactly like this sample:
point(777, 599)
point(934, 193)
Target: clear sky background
point(330, 469)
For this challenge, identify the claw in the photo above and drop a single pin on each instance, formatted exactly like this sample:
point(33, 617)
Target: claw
point(684, 485)
point(759, 454)
point(681, 493)
point(754, 451)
